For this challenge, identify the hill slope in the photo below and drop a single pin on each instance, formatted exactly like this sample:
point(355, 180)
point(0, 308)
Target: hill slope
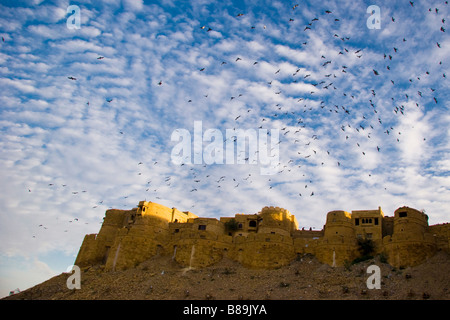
point(161, 278)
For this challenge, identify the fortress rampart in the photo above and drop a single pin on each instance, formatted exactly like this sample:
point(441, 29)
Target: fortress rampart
point(268, 239)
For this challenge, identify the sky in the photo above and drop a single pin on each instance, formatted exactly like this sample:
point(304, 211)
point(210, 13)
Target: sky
point(120, 101)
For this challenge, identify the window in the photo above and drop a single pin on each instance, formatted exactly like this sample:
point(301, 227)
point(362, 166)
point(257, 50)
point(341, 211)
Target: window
point(252, 223)
point(376, 221)
point(240, 226)
point(357, 222)
point(177, 230)
point(402, 214)
point(368, 235)
point(201, 227)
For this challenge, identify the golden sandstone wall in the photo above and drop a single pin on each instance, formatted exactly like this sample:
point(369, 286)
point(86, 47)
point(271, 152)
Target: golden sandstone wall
point(268, 239)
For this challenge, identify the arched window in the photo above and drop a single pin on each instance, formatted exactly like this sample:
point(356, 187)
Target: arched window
point(252, 223)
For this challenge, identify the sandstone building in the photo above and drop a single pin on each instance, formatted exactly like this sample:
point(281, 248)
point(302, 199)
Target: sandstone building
point(268, 239)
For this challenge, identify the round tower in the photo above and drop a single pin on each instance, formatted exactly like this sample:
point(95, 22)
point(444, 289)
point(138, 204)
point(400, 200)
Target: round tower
point(409, 244)
point(409, 224)
point(339, 226)
point(276, 220)
point(339, 242)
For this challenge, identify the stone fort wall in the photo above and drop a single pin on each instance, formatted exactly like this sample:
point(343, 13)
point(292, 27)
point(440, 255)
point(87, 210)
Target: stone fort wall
point(268, 239)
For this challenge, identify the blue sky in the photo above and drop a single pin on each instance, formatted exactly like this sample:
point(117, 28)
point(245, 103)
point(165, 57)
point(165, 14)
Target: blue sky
point(350, 139)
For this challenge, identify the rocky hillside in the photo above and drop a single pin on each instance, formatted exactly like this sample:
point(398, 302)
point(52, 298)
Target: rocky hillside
point(306, 278)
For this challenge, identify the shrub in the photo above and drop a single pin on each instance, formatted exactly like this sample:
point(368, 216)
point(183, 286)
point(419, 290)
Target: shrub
point(231, 225)
point(366, 247)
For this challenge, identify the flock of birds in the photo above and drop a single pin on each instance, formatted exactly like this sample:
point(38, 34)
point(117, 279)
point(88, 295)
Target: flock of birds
point(296, 130)
point(364, 128)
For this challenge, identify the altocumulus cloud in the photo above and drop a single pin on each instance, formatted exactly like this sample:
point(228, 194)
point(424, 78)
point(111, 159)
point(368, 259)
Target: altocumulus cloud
point(87, 114)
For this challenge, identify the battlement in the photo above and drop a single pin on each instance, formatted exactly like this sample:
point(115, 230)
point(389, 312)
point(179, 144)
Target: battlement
point(267, 239)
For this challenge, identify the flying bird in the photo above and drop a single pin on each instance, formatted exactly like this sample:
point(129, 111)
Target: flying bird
point(72, 78)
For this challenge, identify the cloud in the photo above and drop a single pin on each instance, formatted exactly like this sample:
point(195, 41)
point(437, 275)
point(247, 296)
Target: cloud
point(133, 5)
point(23, 275)
point(22, 85)
point(160, 71)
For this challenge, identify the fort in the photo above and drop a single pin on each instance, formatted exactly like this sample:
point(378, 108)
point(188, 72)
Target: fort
point(268, 239)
